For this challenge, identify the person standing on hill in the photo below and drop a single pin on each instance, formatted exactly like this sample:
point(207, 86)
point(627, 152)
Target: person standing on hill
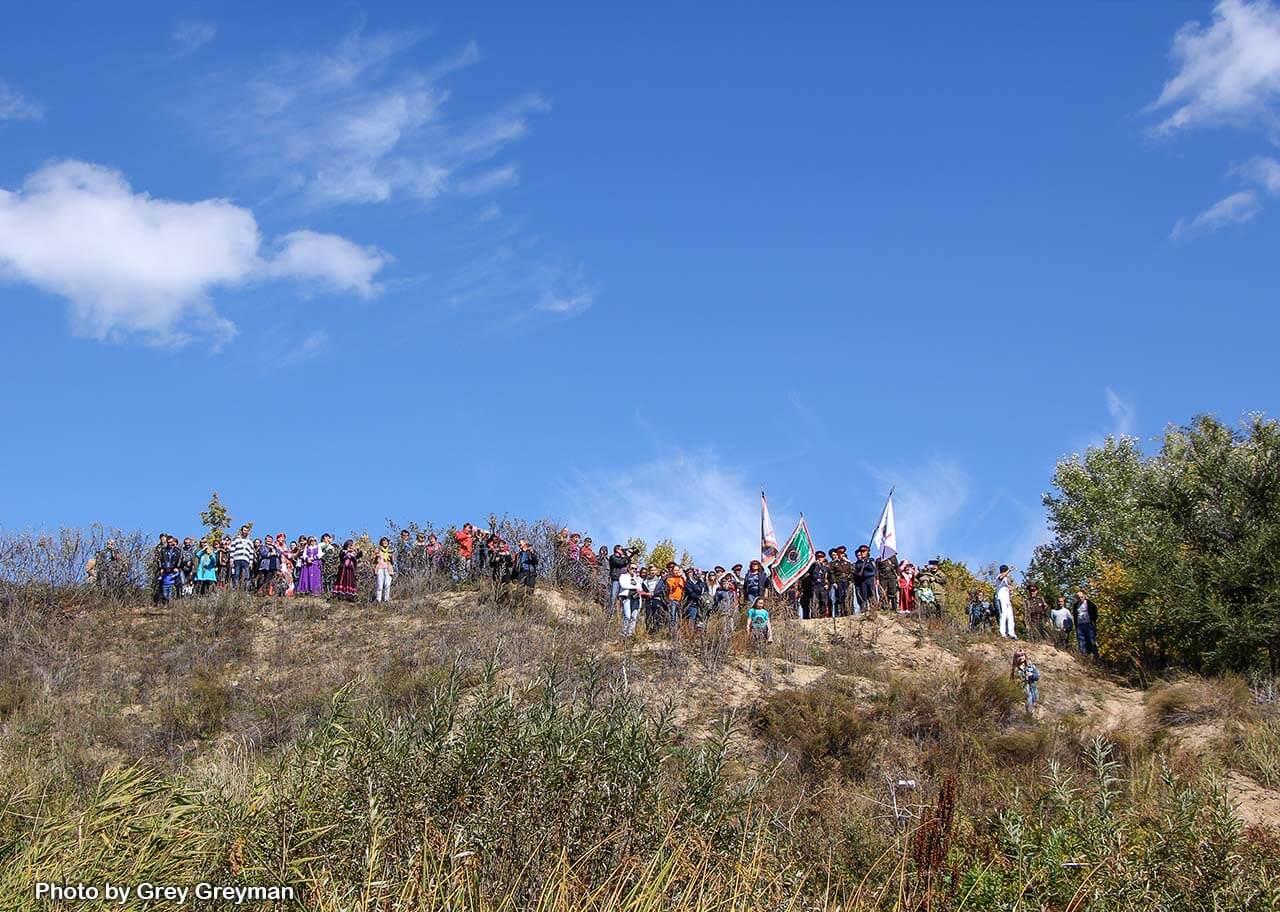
point(284, 556)
point(311, 574)
point(1062, 623)
point(888, 570)
point(695, 592)
point(629, 586)
point(1004, 602)
point(384, 567)
point(755, 584)
point(466, 541)
point(188, 568)
point(526, 565)
point(268, 565)
point(813, 595)
point(674, 582)
point(927, 590)
point(1029, 677)
point(758, 623)
point(206, 567)
point(618, 564)
point(841, 579)
point(169, 568)
point(906, 584)
point(864, 577)
point(1085, 614)
point(1036, 614)
point(243, 554)
point(348, 559)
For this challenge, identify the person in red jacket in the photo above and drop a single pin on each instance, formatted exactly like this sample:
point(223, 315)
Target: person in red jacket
point(466, 546)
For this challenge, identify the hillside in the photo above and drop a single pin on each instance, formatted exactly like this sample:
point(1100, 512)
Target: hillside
point(780, 775)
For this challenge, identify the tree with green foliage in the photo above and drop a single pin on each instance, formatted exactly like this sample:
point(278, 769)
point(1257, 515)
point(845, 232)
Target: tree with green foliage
point(216, 518)
point(1181, 549)
point(638, 547)
point(663, 553)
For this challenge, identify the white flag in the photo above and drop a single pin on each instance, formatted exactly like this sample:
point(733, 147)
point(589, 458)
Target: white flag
point(885, 539)
point(768, 540)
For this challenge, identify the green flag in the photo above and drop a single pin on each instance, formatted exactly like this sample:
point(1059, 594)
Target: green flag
point(796, 558)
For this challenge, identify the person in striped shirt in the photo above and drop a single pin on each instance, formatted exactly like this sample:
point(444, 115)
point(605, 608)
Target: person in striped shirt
point(243, 553)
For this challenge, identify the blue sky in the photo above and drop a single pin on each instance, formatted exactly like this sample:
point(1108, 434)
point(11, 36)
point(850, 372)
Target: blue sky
point(623, 263)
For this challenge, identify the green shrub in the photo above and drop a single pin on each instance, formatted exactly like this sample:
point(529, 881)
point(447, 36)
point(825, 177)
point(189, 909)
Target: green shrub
point(1259, 752)
point(825, 728)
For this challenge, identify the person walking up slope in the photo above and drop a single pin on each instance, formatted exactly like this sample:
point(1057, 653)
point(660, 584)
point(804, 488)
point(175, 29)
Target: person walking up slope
point(1029, 677)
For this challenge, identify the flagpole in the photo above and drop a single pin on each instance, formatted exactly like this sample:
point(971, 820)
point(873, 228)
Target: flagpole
point(879, 592)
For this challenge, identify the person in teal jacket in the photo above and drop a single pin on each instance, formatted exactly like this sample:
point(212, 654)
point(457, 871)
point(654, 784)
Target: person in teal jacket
point(206, 567)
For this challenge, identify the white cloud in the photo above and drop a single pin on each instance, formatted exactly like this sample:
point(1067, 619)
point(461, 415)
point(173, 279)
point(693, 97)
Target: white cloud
point(566, 305)
point(1263, 171)
point(133, 265)
point(926, 499)
point(328, 260)
point(192, 35)
point(357, 125)
point(488, 181)
point(718, 519)
point(1235, 209)
point(1123, 414)
point(16, 106)
point(1229, 71)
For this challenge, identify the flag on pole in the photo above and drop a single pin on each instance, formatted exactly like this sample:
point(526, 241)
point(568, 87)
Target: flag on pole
point(796, 558)
point(768, 539)
point(885, 538)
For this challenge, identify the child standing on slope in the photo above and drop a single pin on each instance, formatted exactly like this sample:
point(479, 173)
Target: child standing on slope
point(758, 623)
point(1029, 676)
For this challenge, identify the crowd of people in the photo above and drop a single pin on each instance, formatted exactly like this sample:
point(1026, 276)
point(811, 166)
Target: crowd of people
point(669, 599)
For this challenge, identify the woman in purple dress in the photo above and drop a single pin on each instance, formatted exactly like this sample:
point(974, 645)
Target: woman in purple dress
point(310, 579)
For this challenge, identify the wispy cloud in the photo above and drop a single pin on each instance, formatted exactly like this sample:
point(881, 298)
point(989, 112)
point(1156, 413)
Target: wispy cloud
point(566, 305)
point(1235, 209)
point(1262, 172)
point(16, 106)
point(360, 124)
point(1228, 74)
point(1228, 71)
point(192, 34)
point(1123, 414)
point(132, 265)
point(718, 520)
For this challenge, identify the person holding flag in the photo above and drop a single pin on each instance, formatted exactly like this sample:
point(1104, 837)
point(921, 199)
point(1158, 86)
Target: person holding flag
point(884, 543)
point(795, 558)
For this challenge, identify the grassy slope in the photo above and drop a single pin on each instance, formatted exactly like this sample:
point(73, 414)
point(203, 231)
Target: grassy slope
point(212, 692)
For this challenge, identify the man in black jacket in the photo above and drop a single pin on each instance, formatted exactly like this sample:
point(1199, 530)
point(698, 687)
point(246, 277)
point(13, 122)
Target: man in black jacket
point(864, 577)
point(169, 565)
point(813, 597)
point(526, 565)
point(1085, 613)
point(618, 563)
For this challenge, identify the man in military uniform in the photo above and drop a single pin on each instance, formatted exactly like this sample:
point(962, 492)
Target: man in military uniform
point(930, 589)
point(841, 578)
point(887, 567)
point(1036, 614)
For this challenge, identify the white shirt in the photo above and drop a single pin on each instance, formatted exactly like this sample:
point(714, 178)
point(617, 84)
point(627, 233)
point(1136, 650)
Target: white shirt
point(1060, 617)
